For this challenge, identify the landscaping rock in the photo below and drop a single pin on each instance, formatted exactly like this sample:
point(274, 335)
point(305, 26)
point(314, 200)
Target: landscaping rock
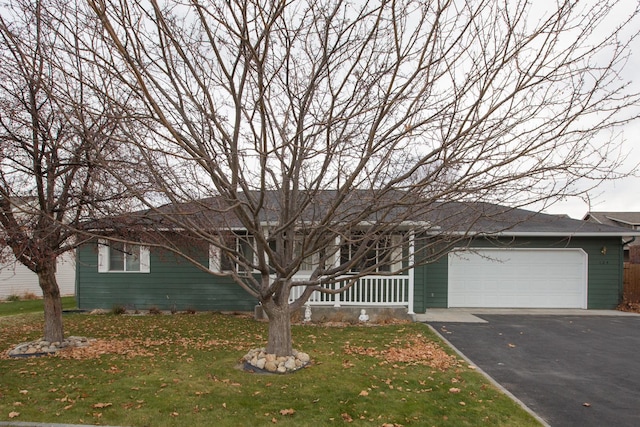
point(257, 360)
point(43, 348)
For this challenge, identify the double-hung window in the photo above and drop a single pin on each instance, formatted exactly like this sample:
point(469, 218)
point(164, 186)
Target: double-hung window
point(309, 262)
point(122, 257)
point(241, 256)
point(382, 255)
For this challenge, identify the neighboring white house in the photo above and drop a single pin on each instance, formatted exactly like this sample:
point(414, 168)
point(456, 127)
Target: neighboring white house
point(16, 279)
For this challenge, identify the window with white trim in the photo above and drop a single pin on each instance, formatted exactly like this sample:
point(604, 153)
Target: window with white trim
point(310, 262)
point(385, 254)
point(244, 246)
point(122, 257)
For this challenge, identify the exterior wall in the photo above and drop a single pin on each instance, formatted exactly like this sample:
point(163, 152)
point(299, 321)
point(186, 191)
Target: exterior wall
point(16, 279)
point(176, 284)
point(605, 270)
point(171, 284)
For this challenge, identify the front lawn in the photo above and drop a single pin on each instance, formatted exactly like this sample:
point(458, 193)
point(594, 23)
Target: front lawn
point(181, 370)
point(10, 308)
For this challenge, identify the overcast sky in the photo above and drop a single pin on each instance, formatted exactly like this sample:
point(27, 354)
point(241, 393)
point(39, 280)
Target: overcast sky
point(624, 194)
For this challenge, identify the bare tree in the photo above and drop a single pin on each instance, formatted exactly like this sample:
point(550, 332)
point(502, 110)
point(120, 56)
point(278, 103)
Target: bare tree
point(393, 106)
point(54, 129)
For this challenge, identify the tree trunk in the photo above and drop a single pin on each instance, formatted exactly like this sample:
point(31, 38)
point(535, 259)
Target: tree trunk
point(277, 308)
point(279, 341)
point(53, 328)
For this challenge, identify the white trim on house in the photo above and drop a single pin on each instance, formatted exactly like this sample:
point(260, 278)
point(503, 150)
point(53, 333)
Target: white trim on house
point(104, 260)
point(546, 234)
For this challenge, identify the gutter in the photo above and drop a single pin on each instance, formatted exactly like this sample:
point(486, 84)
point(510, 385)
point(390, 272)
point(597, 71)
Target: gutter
point(544, 234)
point(633, 239)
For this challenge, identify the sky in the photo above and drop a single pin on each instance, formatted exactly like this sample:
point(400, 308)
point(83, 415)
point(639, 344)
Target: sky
point(621, 195)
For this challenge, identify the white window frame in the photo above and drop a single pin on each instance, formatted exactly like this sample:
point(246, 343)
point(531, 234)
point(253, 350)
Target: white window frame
point(312, 260)
point(396, 255)
point(216, 256)
point(104, 259)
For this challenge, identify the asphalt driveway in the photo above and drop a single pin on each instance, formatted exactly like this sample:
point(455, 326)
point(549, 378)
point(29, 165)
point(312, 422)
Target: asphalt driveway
point(570, 370)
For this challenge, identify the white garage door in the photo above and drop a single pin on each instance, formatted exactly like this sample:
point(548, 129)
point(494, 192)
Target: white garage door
point(519, 278)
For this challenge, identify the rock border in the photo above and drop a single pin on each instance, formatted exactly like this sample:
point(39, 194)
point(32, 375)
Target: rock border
point(41, 347)
point(259, 361)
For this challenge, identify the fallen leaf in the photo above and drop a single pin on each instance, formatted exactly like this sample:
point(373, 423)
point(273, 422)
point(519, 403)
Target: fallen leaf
point(347, 417)
point(512, 345)
point(14, 414)
point(102, 405)
point(289, 411)
point(454, 390)
point(364, 393)
point(586, 404)
point(23, 391)
point(462, 403)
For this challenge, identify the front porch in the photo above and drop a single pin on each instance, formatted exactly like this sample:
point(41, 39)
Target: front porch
point(369, 291)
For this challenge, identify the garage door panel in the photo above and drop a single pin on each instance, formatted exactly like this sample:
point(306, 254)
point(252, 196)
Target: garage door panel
point(518, 278)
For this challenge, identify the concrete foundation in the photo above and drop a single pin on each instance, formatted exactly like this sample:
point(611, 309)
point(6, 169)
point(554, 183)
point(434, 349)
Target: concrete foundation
point(346, 314)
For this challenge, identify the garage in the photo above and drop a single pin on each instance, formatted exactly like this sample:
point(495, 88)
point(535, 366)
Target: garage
point(517, 278)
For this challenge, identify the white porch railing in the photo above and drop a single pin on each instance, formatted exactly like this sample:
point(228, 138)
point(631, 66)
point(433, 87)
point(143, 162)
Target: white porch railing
point(368, 290)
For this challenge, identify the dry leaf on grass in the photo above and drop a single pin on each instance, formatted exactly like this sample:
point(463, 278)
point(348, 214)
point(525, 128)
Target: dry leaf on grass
point(415, 350)
point(14, 414)
point(102, 405)
point(289, 411)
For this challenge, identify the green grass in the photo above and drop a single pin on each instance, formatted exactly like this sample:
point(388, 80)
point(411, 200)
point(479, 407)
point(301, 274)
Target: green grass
point(10, 308)
point(182, 371)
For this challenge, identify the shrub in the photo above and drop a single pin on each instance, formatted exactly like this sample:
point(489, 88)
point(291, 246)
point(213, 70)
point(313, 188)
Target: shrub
point(13, 298)
point(118, 309)
point(29, 296)
point(154, 310)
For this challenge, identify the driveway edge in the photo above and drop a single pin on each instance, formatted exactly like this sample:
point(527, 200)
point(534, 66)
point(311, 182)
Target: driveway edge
point(490, 378)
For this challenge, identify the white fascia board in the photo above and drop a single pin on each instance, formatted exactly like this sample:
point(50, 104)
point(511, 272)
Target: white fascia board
point(630, 233)
point(404, 224)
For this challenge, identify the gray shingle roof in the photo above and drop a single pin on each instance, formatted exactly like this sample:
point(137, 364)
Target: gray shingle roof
point(484, 218)
point(624, 219)
point(458, 217)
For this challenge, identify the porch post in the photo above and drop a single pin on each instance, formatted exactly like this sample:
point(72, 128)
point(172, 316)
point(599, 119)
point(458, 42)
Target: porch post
point(336, 262)
point(411, 270)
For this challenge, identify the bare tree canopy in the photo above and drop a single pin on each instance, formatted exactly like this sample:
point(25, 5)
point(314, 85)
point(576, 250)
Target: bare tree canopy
point(54, 131)
point(267, 105)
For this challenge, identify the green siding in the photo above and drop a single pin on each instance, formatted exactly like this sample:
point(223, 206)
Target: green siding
point(604, 270)
point(171, 284)
point(176, 284)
